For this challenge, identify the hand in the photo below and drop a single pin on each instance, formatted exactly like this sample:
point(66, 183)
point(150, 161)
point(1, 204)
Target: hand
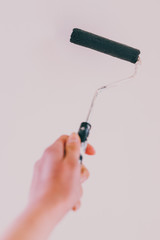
point(55, 189)
point(58, 175)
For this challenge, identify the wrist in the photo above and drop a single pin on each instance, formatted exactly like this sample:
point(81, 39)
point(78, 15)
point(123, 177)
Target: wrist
point(43, 209)
point(49, 204)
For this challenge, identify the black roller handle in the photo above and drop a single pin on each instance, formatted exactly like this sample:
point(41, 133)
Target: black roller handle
point(83, 133)
point(104, 45)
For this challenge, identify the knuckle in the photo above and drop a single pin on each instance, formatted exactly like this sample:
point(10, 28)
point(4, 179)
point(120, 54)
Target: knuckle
point(85, 172)
point(73, 164)
point(82, 168)
point(63, 137)
point(73, 146)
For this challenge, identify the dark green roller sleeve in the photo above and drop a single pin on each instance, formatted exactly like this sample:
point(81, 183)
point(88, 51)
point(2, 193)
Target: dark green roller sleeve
point(104, 45)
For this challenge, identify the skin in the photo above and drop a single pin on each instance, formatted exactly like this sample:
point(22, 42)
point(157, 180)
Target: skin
point(56, 189)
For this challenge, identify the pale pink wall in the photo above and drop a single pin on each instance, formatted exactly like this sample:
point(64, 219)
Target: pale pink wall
point(46, 86)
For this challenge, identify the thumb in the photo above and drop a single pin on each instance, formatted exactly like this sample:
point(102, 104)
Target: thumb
point(73, 148)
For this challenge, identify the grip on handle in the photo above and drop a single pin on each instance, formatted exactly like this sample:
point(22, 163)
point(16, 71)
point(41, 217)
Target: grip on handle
point(83, 132)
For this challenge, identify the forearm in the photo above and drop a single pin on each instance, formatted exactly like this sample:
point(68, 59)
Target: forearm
point(36, 223)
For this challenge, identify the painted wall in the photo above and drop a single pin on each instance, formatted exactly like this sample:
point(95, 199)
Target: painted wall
point(46, 87)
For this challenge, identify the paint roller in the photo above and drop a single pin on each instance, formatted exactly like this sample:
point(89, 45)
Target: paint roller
point(112, 48)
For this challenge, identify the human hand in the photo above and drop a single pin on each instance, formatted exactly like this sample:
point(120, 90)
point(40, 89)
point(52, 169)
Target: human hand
point(55, 189)
point(58, 175)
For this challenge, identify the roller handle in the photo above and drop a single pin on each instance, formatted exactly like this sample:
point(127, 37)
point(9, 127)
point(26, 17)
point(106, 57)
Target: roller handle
point(83, 133)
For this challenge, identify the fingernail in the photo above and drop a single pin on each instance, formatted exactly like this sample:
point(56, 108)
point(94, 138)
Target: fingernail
point(73, 137)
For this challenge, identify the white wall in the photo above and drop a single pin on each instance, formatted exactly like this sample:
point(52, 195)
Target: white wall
point(46, 86)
